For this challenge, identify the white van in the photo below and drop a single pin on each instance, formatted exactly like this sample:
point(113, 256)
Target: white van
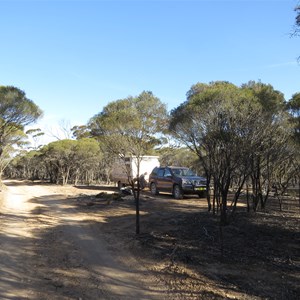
point(126, 169)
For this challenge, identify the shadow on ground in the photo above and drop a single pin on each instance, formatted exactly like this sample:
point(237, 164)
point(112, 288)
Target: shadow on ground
point(256, 257)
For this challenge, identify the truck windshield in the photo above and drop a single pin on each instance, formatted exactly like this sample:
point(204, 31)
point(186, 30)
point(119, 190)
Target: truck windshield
point(183, 172)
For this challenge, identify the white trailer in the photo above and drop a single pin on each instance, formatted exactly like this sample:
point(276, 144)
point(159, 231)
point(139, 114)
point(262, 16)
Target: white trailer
point(126, 169)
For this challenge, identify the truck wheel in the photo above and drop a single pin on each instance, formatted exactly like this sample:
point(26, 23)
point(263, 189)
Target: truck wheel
point(202, 194)
point(120, 185)
point(177, 192)
point(153, 189)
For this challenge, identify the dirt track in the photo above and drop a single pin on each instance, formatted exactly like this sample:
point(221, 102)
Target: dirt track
point(67, 243)
point(49, 250)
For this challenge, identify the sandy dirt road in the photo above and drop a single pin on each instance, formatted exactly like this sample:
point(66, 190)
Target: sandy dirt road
point(63, 243)
point(49, 250)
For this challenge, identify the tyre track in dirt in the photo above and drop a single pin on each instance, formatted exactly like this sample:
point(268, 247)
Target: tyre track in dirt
point(49, 250)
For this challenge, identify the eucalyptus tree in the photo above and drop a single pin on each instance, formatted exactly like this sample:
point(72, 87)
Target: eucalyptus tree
point(86, 160)
point(271, 101)
point(215, 124)
point(63, 161)
point(72, 160)
point(27, 165)
point(296, 29)
point(58, 157)
point(273, 140)
point(130, 127)
point(297, 21)
point(179, 156)
point(80, 131)
point(16, 111)
point(238, 133)
point(293, 107)
point(35, 135)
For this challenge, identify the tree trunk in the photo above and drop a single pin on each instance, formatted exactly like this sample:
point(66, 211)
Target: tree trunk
point(136, 195)
point(247, 196)
point(223, 209)
point(208, 194)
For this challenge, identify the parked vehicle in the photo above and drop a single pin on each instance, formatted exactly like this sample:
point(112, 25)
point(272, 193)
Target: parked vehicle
point(125, 169)
point(176, 180)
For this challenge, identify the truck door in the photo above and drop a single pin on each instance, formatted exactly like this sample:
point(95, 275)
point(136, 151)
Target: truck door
point(168, 181)
point(165, 180)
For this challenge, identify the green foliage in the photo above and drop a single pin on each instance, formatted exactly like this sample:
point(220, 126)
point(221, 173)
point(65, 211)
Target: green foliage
point(62, 162)
point(293, 107)
point(130, 126)
point(27, 165)
point(16, 111)
point(66, 158)
point(238, 133)
point(184, 157)
point(270, 100)
point(297, 20)
point(80, 132)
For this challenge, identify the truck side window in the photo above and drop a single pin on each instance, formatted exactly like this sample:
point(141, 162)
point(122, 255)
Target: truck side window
point(167, 173)
point(160, 173)
point(154, 171)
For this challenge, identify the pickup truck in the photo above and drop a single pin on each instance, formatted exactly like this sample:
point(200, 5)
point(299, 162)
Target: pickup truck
point(177, 181)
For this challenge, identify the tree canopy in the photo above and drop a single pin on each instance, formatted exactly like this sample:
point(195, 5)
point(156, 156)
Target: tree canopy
point(294, 108)
point(130, 127)
point(238, 133)
point(16, 111)
point(297, 20)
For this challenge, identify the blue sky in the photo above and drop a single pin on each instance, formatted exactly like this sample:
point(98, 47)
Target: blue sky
point(73, 57)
